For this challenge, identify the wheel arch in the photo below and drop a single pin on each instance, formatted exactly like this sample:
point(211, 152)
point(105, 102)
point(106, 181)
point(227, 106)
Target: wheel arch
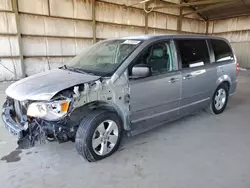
point(84, 110)
point(224, 79)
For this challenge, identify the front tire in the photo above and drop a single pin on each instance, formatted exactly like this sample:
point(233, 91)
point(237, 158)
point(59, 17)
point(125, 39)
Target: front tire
point(98, 135)
point(219, 101)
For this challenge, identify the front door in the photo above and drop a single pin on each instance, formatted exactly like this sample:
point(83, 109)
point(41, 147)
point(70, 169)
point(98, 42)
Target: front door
point(197, 74)
point(156, 98)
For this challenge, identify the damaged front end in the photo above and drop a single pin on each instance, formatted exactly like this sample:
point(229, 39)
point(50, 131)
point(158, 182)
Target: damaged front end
point(39, 121)
point(32, 130)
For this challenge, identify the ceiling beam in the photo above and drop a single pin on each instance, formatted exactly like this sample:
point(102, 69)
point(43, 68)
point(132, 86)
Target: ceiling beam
point(180, 18)
point(228, 16)
point(196, 11)
point(204, 2)
point(217, 5)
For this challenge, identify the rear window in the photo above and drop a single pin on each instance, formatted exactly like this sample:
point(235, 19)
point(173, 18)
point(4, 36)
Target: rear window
point(193, 53)
point(222, 51)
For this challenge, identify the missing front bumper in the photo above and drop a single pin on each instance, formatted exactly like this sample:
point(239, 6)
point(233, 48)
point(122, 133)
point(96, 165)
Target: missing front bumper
point(37, 131)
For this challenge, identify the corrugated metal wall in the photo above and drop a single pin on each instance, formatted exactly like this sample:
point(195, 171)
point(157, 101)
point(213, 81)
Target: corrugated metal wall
point(237, 31)
point(53, 31)
point(10, 61)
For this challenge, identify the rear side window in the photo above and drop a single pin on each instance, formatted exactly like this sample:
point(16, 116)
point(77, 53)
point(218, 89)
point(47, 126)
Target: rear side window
point(193, 52)
point(222, 51)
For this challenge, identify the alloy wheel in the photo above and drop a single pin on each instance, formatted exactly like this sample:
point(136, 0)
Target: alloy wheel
point(220, 99)
point(105, 137)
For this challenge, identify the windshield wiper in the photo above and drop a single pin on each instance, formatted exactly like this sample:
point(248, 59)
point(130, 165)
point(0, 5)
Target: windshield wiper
point(63, 67)
point(78, 70)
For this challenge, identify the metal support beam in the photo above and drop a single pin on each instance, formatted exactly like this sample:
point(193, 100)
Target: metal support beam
point(196, 11)
point(94, 20)
point(53, 16)
point(179, 23)
point(7, 11)
point(146, 17)
point(49, 7)
point(136, 8)
point(56, 36)
point(217, 5)
point(15, 9)
point(207, 25)
point(8, 34)
point(9, 57)
point(205, 2)
point(48, 56)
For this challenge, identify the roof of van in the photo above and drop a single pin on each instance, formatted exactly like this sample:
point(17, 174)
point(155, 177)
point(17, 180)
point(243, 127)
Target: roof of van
point(158, 36)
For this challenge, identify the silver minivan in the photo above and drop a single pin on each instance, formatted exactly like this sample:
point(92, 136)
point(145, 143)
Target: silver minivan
point(126, 85)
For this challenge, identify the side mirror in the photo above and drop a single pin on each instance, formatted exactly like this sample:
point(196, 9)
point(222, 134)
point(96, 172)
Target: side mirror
point(141, 71)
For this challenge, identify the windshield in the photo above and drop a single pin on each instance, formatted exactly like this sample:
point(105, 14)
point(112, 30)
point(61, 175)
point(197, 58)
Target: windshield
point(105, 57)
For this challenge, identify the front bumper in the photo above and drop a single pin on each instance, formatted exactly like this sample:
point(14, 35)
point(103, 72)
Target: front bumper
point(9, 121)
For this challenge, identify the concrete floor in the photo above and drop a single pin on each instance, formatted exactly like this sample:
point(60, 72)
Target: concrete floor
point(199, 151)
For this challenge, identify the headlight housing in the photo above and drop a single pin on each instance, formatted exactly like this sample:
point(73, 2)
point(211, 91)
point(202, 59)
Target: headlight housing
point(49, 110)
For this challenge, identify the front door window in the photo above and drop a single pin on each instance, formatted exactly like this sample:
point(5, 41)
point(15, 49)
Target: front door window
point(158, 57)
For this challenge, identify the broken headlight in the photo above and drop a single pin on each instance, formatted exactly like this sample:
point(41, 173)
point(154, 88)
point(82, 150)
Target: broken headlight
point(50, 111)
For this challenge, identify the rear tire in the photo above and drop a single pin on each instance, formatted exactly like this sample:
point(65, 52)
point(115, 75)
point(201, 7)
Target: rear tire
point(98, 135)
point(219, 100)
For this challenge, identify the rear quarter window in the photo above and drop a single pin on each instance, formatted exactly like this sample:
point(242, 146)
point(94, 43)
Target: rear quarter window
point(222, 50)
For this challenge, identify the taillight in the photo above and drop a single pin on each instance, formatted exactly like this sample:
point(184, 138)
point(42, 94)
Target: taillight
point(237, 68)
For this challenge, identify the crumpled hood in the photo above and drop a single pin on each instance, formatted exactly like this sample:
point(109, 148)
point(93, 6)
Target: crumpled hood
point(44, 86)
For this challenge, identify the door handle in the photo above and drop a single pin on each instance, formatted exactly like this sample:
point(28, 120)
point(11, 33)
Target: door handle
point(173, 80)
point(188, 76)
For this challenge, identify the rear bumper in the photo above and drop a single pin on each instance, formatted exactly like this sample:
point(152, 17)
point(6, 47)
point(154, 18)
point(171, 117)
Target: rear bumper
point(10, 124)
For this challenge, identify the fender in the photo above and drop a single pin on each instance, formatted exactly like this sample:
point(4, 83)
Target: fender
point(78, 113)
